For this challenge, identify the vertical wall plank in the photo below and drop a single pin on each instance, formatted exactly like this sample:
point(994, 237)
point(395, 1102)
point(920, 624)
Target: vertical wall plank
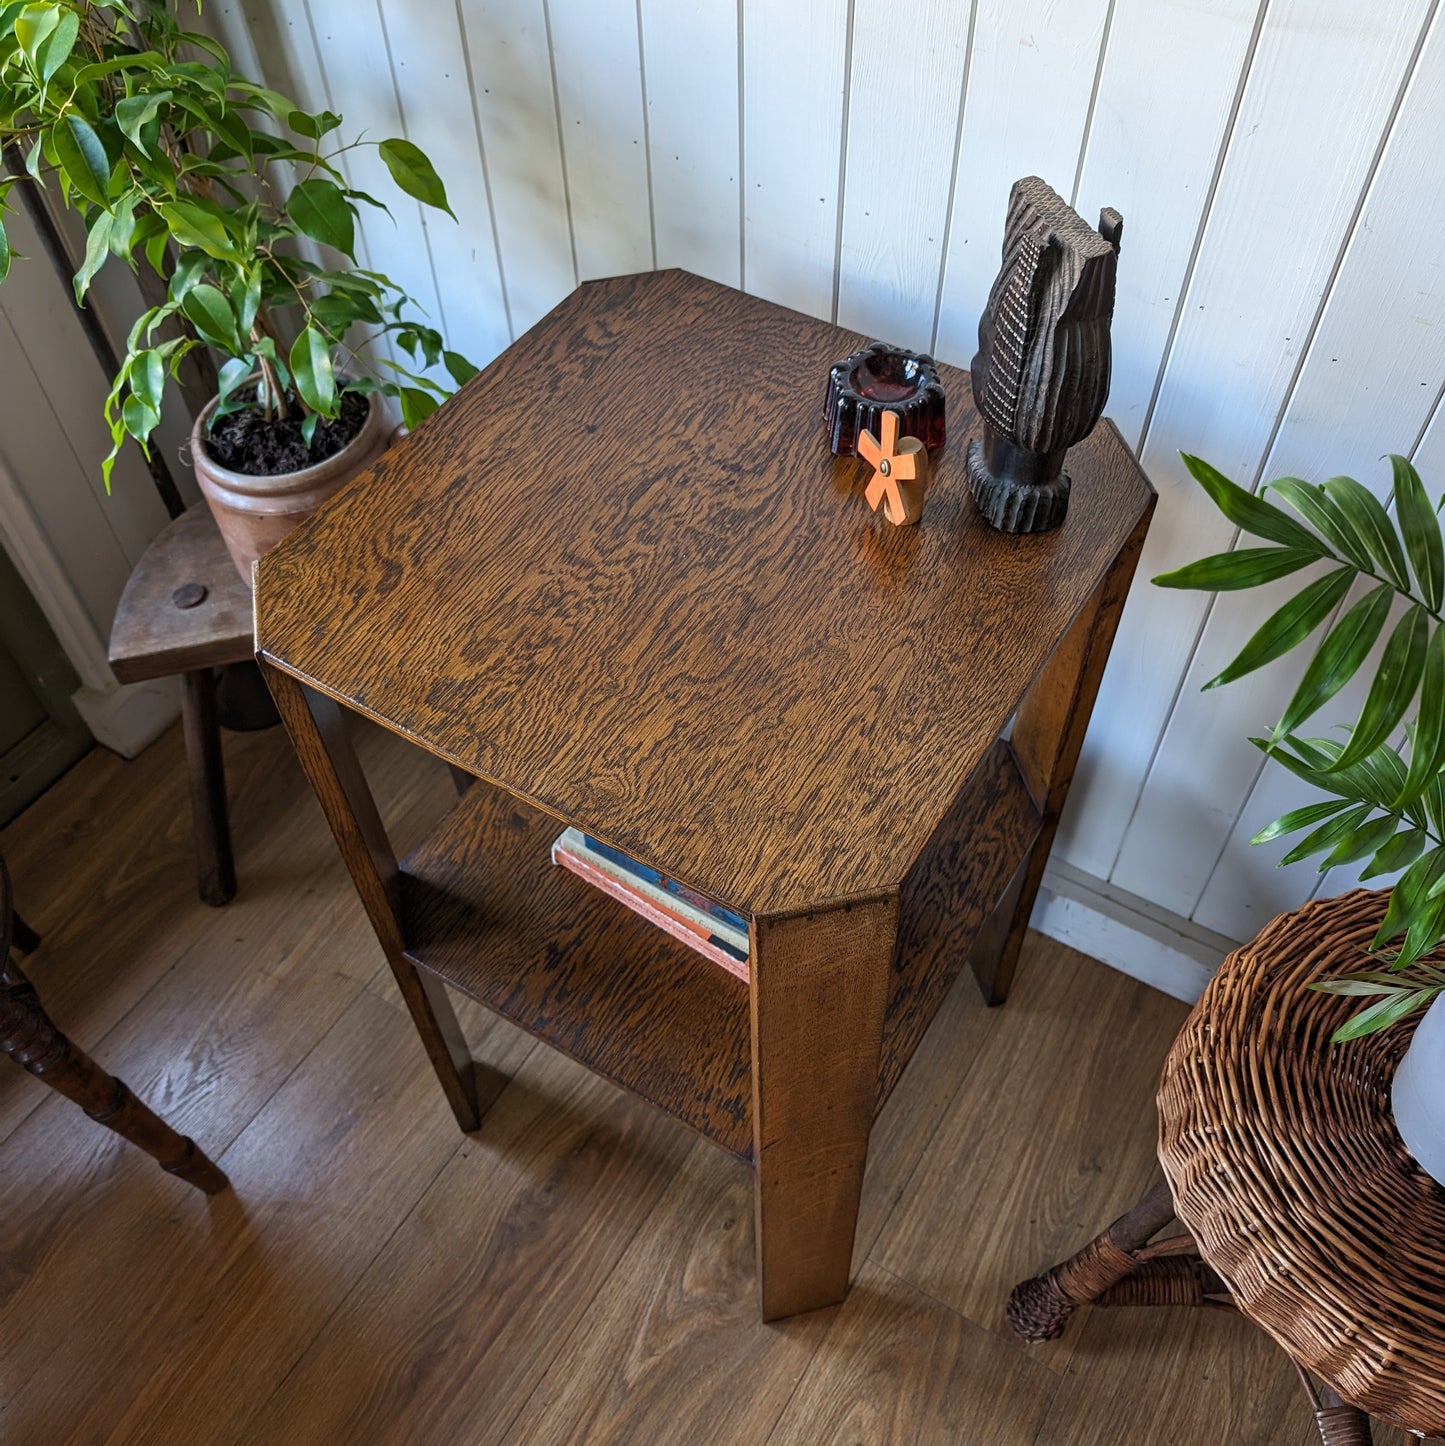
point(429, 59)
point(1322, 86)
point(1158, 175)
point(794, 76)
point(1030, 78)
point(516, 109)
point(56, 477)
point(598, 66)
point(906, 85)
point(66, 392)
point(691, 51)
point(1368, 385)
point(353, 64)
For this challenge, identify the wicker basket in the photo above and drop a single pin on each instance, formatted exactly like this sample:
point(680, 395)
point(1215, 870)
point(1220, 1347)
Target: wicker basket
point(1285, 1164)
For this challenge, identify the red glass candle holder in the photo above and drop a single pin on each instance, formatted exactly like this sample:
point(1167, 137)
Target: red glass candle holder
point(880, 379)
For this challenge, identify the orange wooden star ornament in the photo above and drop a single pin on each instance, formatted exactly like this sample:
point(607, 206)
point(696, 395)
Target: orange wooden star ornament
point(900, 471)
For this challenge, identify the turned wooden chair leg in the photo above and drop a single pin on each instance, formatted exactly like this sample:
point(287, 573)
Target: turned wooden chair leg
point(24, 938)
point(29, 1037)
point(1039, 1308)
point(210, 820)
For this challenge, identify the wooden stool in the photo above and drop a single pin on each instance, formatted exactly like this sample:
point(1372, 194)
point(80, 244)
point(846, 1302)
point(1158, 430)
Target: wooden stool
point(29, 1037)
point(1306, 1213)
point(185, 610)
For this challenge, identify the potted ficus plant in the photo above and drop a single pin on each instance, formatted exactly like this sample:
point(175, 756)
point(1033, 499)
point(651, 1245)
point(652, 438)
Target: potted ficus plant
point(1382, 803)
point(221, 186)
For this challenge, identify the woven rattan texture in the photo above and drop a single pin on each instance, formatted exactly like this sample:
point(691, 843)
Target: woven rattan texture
point(1286, 1166)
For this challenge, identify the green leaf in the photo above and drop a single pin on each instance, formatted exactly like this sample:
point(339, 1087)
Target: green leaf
point(308, 427)
point(1284, 629)
point(1363, 842)
point(462, 371)
point(1421, 528)
point(321, 211)
point(123, 225)
point(1327, 835)
point(1399, 853)
point(1252, 513)
point(235, 372)
point(4, 249)
point(1338, 658)
point(1298, 818)
point(55, 49)
point(1244, 567)
point(1410, 897)
point(313, 127)
point(189, 270)
point(1396, 679)
point(1427, 739)
point(97, 248)
point(1423, 934)
point(246, 300)
point(1371, 524)
point(137, 111)
point(148, 378)
point(311, 366)
point(416, 406)
point(140, 420)
point(411, 170)
point(33, 26)
point(193, 226)
point(1316, 508)
point(83, 158)
point(1382, 1015)
point(206, 308)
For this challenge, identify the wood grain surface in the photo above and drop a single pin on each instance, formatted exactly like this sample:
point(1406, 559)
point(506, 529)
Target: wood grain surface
point(151, 637)
point(484, 907)
point(579, 1265)
point(621, 575)
point(819, 990)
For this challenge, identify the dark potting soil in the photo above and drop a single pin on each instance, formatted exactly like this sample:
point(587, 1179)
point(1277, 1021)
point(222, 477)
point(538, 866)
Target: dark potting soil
point(246, 442)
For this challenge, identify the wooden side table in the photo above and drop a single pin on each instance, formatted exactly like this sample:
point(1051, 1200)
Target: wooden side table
point(1304, 1208)
point(621, 580)
point(185, 610)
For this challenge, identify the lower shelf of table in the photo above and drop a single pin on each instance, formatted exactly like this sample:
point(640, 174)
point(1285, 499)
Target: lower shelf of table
point(484, 908)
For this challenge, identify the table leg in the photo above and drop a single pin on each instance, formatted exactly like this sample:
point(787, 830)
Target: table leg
point(819, 990)
point(210, 821)
point(1048, 733)
point(330, 763)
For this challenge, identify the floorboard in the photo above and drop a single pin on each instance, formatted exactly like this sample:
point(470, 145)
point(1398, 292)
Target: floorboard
point(580, 1268)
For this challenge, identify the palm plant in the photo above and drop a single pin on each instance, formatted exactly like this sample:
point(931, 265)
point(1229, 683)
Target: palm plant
point(1384, 795)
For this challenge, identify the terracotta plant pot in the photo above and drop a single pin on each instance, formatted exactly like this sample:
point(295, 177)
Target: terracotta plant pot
point(255, 513)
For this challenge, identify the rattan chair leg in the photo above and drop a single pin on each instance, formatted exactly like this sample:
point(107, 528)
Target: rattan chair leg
point(1039, 1308)
point(1338, 1423)
point(1169, 1280)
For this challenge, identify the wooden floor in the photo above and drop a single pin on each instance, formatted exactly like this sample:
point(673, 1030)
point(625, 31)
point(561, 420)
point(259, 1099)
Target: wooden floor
point(579, 1269)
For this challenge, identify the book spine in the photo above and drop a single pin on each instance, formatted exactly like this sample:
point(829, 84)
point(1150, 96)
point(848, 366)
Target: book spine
point(680, 930)
point(645, 882)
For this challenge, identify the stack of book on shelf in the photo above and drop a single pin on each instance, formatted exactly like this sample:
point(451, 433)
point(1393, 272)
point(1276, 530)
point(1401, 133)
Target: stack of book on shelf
point(714, 930)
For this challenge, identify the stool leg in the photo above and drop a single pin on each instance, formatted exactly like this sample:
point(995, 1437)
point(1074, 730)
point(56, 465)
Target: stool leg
point(28, 1036)
point(209, 820)
point(1038, 1309)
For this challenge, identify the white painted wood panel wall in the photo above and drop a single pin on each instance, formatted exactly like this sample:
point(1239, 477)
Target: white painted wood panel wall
point(1281, 293)
point(1281, 298)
